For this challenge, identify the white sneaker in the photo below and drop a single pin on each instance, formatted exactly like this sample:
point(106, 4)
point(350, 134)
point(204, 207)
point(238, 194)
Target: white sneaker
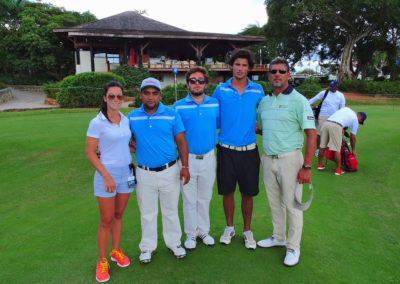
point(190, 243)
point(227, 236)
point(145, 257)
point(179, 252)
point(292, 257)
point(271, 242)
point(207, 240)
point(249, 241)
point(316, 153)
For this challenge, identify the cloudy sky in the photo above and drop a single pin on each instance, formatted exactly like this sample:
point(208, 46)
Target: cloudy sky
point(216, 16)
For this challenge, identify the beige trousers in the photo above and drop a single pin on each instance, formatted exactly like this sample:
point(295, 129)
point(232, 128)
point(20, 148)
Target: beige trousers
point(279, 176)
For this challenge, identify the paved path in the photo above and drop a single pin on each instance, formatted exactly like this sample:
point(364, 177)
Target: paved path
point(25, 100)
point(29, 100)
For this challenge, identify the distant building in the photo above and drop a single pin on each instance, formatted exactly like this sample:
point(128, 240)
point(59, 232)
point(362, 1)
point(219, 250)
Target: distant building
point(130, 38)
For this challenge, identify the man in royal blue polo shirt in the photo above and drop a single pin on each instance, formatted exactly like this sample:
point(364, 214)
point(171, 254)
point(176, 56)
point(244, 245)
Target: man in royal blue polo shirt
point(200, 114)
point(156, 128)
point(238, 160)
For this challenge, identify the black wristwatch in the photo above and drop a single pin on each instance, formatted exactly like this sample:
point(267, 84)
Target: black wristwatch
point(308, 168)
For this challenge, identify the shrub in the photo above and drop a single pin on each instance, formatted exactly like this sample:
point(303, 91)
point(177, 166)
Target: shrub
point(2, 86)
point(265, 85)
point(84, 89)
point(211, 88)
point(133, 76)
point(51, 89)
point(168, 93)
point(309, 88)
point(371, 87)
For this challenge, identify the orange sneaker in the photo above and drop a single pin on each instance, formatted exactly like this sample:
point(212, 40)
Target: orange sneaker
point(102, 270)
point(339, 172)
point(118, 256)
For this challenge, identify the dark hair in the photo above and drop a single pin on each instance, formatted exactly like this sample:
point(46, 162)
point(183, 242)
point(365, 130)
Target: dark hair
point(242, 53)
point(279, 60)
point(197, 69)
point(109, 84)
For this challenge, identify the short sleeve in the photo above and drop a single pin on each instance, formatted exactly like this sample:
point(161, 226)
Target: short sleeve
point(94, 129)
point(178, 124)
point(308, 120)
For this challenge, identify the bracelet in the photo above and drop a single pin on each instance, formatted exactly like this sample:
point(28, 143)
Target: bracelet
point(185, 167)
point(306, 167)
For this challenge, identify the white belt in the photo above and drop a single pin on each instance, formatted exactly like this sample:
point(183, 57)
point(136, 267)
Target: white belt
point(283, 155)
point(201, 157)
point(240, 148)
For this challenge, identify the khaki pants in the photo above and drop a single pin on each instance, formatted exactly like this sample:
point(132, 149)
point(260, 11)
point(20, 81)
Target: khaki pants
point(279, 176)
point(321, 120)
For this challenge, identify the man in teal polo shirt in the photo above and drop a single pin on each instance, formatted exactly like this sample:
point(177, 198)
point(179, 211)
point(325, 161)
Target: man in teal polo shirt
point(200, 115)
point(156, 129)
point(238, 160)
point(282, 117)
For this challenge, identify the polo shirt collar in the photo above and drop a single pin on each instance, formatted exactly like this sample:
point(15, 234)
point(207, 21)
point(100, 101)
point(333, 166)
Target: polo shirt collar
point(189, 99)
point(250, 83)
point(287, 91)
point(103, 117)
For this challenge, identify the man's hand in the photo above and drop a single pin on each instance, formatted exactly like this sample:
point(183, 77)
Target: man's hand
point(185, 176)
point(304, 176)
point(132, 146)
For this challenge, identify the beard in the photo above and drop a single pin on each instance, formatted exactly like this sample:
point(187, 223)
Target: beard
point(196, 94)
point(147, 107)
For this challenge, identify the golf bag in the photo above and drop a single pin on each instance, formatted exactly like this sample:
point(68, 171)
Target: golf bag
point(349, 162)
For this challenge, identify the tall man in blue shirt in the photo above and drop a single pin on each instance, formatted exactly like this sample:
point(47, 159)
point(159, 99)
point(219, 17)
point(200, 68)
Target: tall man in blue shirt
point(238, 159)
point(156, 128)
point(200, 114)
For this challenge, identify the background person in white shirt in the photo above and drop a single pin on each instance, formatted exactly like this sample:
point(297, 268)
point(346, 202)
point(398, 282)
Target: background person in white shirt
point(333, 101)
point(332, 133)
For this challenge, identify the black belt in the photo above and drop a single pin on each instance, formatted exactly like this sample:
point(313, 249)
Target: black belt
point(336, 123)
point(158, 169)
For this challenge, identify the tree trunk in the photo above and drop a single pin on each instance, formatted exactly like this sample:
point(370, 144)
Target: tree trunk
point(345, 71)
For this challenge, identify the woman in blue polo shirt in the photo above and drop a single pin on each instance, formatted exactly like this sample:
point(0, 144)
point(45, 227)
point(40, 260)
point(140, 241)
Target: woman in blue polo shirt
point(109, 132)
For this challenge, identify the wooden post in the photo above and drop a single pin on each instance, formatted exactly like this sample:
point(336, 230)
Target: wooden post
point(91, 56)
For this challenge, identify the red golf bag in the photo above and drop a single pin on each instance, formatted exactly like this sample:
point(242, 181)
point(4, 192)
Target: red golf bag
point(349, 162)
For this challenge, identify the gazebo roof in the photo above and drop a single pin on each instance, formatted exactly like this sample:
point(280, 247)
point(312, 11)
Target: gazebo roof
point(133, 25)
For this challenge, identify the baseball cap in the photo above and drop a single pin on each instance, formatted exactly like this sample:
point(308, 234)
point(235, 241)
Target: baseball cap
point(334, 83)
point(150, 82)
point(364, 116)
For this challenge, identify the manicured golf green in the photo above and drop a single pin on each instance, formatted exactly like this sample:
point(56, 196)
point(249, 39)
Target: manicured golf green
point(49, 216)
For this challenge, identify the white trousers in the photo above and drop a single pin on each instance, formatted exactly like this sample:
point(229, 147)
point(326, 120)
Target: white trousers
point(197, 194)
point(279, 176)
point(165, 186)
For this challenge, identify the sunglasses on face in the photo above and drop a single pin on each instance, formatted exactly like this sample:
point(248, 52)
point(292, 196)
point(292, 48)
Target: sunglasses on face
point(194, 80)
point(119, 97)
point(281, 71)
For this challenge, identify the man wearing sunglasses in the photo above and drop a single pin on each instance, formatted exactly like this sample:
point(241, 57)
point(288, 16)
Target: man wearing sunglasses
point(238, 160)
point(156, 129)
point(200, 115)
point(282, 117)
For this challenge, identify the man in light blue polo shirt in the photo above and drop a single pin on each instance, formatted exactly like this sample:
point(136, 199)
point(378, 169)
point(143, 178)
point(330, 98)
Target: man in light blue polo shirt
point(156, 129)
point(238, 160)
point(282, 118)
point(200, 115)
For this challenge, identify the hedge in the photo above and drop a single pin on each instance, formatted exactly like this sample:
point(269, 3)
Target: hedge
point(388, 88)
point(84, 89)
point(2, 86)
point(133, 76)
point(51, 89)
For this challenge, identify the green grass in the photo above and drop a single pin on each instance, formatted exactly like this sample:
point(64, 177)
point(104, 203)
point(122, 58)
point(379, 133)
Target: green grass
point(49, 216)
